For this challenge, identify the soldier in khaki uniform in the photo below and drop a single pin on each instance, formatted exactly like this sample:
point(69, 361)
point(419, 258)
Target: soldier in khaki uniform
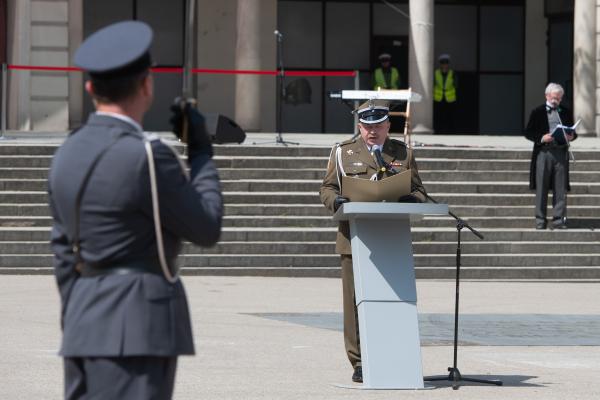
point(355, 158)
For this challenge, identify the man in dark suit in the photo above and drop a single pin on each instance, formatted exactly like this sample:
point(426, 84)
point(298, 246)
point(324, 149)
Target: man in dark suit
point(550, 160)
point(355, 157)
point(122, 203)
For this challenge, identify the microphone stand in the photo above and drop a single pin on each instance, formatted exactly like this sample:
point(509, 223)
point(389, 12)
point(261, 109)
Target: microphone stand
point(454, 375)
point(280, 90)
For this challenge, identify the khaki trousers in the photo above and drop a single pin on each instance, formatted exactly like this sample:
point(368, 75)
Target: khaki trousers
point(351, 335)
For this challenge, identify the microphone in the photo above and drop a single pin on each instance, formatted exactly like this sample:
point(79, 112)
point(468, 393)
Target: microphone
point(376, 150)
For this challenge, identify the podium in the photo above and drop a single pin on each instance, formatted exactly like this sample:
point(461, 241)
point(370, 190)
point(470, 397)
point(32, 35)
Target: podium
point(385, 290)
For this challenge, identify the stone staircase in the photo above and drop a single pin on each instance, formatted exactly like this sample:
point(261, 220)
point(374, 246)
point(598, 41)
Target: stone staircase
point(275, 224)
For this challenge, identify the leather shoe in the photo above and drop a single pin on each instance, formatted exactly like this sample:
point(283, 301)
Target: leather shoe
point(559, 226)
point(540, 226)
point(357, 375)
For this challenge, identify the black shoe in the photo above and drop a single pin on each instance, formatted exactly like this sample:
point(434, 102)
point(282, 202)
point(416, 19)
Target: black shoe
point(357, 375)
point(559, 226)
point(540, 226)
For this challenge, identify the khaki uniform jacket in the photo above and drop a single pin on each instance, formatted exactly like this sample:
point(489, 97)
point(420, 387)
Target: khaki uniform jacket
point(357, 161)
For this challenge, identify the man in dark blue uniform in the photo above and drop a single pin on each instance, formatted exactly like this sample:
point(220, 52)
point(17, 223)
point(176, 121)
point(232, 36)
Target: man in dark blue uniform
point(121, 204)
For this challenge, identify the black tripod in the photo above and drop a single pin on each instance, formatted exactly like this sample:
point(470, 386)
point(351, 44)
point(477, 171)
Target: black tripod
point(455, 376)
point(280, 90)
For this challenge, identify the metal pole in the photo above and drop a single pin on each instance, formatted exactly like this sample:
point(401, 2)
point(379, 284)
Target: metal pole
point(280, 86)
point(356, 103)
point(4, 105)
point(189, 50)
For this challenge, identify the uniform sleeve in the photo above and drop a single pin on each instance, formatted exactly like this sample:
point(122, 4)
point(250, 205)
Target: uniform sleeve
point(330, 188)
point(190, 209)
point(416, 183)
point(64, 259)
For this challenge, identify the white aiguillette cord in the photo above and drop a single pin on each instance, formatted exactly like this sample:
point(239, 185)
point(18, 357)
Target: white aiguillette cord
point(148, 139)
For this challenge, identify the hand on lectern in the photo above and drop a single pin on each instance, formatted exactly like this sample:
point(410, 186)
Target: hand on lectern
point(339, 201)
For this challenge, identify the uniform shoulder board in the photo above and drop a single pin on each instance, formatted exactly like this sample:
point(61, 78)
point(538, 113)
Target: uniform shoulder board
point(398, 142)
point(349, 141)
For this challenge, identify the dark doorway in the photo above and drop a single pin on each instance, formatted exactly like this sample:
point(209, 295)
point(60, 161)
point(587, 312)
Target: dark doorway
point(168, 24)
point(466, 118)
point(560, 54)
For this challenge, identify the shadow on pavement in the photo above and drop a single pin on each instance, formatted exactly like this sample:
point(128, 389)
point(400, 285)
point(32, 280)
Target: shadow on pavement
point(507, 381)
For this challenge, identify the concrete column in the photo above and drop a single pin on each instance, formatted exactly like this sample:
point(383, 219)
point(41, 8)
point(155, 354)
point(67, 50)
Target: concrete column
point(75, 80)
point(420, 63)
point(597, 43)
point(584, 66)
point(247, 56)
point(19, 52)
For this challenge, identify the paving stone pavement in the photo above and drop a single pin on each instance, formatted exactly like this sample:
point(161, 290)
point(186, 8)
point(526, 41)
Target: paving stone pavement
point(480, 329)
point(279, 338)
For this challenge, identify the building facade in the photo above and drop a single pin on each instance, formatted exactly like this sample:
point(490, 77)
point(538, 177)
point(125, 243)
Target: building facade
point(504, 52)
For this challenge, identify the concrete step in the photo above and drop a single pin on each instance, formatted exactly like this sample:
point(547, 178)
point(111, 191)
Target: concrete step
point(318, 210)
point(23, 173)
point(232, 174)
point(320, 265)
point(509, 260)
point(423, 163)
point(504, 222)
point(533, 273)
point(212, 260)
point(420, 152)
point(328, 247)
point(276, 225)
point(318, 174)
point(248, 162)
point(489, 247)
point(520, 211)
point(30, 210)
point(466, 212)
point(419, 248)
point(447, 234)
point(326, 221)
point(487, 272)
point(500, 199)
point(21, 161)
point(433, 187)
point(8, 149)
point(506, 235)
point(332, 260)
point(36, 234)
point(21, 149)
point(498, 176)
point(304, 185)
point(24, 222)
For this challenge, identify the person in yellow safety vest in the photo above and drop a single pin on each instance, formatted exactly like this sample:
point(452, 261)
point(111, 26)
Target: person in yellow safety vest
point(386, 76)
point(444, 96)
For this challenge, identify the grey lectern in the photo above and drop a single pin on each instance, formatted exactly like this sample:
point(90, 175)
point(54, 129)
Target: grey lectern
point(386, 295)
